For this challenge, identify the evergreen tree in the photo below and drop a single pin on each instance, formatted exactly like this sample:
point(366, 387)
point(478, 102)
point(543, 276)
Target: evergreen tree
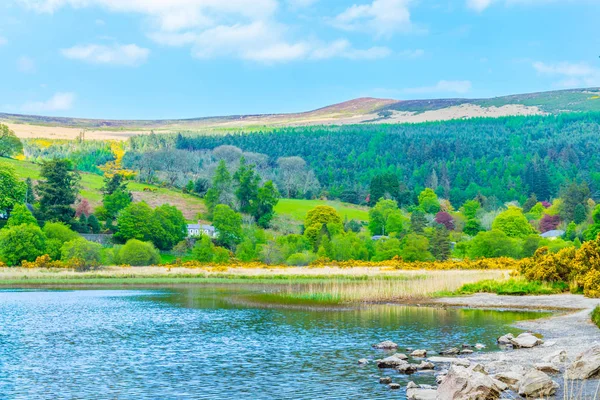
point(29, 194)
point(418, 222)
point(20, 215)
point(94, 224)
point(221, 191)
point(263, 207)
point(440, 244)
point(58, 190)
point(247, 185)
point(531, 201)
point(579, 214)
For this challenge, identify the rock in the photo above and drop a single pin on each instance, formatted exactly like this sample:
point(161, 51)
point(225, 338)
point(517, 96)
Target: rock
point(363, 361)
point(557, 357)
point(385, 380)
point(500, 385)
point(392, 361)
point(480, 346)
point(412, 385)
point(407, 368)
point(450, 360)
point(426, 365)
point(549, 344)
point(509, 378)
point(526, 340)
point(466, 346)
point(450, 352)
point(421, 394)
point(506, 339)
point(466, 351)
point(419, 353)
point(424, 386)
point(586, 365)
point(394, 386)
point(478, 368)
point(537, 384)
point(547, 368)
point(385, 345)
point(462, 383)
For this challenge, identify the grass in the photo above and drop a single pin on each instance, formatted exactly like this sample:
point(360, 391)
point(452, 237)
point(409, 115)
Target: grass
point(297, 209)
point(91, 184)
point(596, 316)
point(514, 287)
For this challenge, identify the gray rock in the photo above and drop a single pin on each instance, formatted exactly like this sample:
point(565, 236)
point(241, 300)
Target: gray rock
point(510, 378)
point(450, 352)
point(412, 385)
point(547, 368)
point(407, 368)
point(385, 380)
point(421, 394)
point(426, 365)
point(526, 340)
point(386, 345)
point(450, 360)
point(537, 384)
point(478, 368)
point(394, 386)
point(480, 346)
point(363, 361)
point(558, 357)
point(500, 385)
point(419, 353)
point(506, 339)
point(586, 365)
point(392, 361)
point(466, 351)
point(463, 383)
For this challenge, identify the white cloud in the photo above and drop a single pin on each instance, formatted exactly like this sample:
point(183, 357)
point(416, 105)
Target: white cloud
point(58, 102)
point(569, 74)
point(412, 54)
point(383, 17)
point(478, 5)
point(26, 65)
point(297, 4)
point(481, 5)
point(3, 41)
point(459, 87)
point(129, 55)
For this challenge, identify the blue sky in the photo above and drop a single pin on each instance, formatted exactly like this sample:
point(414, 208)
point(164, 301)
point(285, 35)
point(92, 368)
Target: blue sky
point(147, 59)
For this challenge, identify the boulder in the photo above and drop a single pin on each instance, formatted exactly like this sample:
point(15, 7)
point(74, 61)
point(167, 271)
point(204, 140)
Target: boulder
point(411, 385)
point(426, 365)
point(452, 351)
point(407, 368)
point(450, 360)
point(466, 351)
point(385, 380)
point(558, 357)
point(506, 339)
point(419, 353)
point(363, 361)
point(394, 386)
point(480, 346)
point(478, 368)
point(548, 368)
point(537, 384)
point(526, 340)
point(421, 394)
point(586, 365)
point(463, 383)
point(385, 345)
point(392, 361)
point(510, 378)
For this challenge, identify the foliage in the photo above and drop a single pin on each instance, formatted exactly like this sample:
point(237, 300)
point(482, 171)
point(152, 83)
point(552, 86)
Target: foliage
point(94, 224)
point(300, 259)
point(472, 227)
point(572, 195)
point(385, 218)
point(596, 316)
point(445, 219)
point(418, 222)
point(58, 190)
point(59, 231)
point(513, 223)
point(518, 287)
point(82, 253)
point(10, 145)
point(20, 215)
point(228, 224)
point(549, 223)
point(203, 249)
point(12, 191)
point(440, 244)
point(492, 244)
point(429, 202)
point(173, 226)
point(21, 242)
point(221, 191)
point(263, 207)
point(136, 222)
point(138, 253)
point(319, 220)
point(416, 248)
point(470, 208)
point(247, 186)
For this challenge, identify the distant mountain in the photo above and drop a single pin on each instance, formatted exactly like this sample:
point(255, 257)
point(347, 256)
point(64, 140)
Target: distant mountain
point(358, 111)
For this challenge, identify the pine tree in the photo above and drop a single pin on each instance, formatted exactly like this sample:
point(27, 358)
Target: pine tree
point(418, 222)
point(440, 244)
point(58, 190)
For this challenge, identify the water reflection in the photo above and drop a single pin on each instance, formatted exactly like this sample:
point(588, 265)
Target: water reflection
point(197, 343)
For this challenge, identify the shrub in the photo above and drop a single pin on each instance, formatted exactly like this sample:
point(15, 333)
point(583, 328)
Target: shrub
point(548, 267)
point(81, 254)
point(43, 262)
point(596, 316)
point(22, 242)
point(203, 249)
point(301, 259)
point(221, 255)
point(138, 253)
point(20, 215)
point(59, 231)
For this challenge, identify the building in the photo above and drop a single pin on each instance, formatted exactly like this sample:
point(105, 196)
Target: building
point(554, 234)
point(201, 229)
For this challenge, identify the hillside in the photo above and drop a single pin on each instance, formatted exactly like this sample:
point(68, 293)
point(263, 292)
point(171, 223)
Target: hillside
point(357, 111)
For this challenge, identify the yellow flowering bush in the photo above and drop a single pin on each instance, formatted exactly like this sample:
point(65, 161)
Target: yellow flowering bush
point(43, 261)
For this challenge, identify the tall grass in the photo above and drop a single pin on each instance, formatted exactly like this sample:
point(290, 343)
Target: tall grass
point(596, 316)
point(514, 287)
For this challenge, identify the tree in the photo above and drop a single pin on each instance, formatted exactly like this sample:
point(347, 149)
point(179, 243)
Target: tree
point(173, 227)
point(472, 227)
point(12, 191)
point(572, 195)
point(445, 219)
point(440, 244)
point(379, 215)
point(114, 183)
point(83, 208)
point(94, 224)
point(415, 248)
point(264, 205)
point(386, 249)
point(317, 222)
point(549, 222)
point(429, 202)
point(21, 242)
point(115, 202)
point(82, 253)
point(10, 145)
point(492, 244)
point(58, 190)
point(221, 191)
point(29, 192)
point(203, 249)
point(228, 224)
point(136, 222)
point(201, 185)
point(59, 231)
point(247, 185)
point(21, 215)
point(513, 223)
point(470, 208)
point(579, 214)
point(531, 201)
point(137, 253)
point(418, 222)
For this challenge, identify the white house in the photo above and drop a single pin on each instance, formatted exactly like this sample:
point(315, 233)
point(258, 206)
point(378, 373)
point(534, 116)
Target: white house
point(201, 229)
point(554, 234)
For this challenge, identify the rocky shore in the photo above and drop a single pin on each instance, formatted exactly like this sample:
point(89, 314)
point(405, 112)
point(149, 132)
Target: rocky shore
point(556, 356)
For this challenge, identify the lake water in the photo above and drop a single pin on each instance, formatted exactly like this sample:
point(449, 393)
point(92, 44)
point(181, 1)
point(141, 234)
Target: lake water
point(195, 343)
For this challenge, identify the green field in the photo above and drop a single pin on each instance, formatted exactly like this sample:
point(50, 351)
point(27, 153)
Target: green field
point(297, 209)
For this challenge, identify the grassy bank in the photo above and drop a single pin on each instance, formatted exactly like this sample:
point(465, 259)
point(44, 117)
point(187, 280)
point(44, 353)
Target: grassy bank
point(288, 285)
point(514, 287)
point(596, 316)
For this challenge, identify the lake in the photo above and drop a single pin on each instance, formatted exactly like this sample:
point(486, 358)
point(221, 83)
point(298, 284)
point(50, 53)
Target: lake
point(202, 343)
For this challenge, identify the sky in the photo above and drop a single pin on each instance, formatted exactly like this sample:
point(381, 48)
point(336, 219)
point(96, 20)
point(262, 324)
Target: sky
point(157, 59)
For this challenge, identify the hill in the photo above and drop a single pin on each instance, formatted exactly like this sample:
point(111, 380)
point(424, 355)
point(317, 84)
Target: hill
point(358, 111)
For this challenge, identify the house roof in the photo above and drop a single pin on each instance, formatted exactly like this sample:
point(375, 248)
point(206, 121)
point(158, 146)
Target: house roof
point(553, 233)
point(201, 227)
